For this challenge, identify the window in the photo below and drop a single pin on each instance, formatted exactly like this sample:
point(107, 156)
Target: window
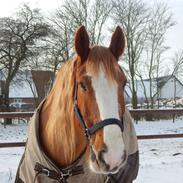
point(18, 100)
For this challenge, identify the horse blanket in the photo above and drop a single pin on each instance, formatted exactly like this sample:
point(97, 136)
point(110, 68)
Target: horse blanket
point(34, 156)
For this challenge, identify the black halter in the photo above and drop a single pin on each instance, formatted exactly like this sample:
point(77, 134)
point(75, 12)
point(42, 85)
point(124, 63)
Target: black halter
point(98, 125)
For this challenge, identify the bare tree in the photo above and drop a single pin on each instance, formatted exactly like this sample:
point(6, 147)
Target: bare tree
point(177, 69)
point(160, 22)
point(68, 17)
point(178, 64)
point(92, 14)
point(56, 50)
point(143, 72)
point(17, 38)
point(132, 15)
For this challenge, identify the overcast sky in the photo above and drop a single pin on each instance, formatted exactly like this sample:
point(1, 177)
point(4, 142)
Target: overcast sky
point(174, 36)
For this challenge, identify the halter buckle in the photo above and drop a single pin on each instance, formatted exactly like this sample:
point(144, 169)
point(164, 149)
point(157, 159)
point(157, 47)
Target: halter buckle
point(64, 175)
point(46, 171)
point(87, 134)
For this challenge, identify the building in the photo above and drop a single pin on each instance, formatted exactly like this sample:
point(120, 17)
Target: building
point(27, 89)
point(170, 87)
point(166, 87)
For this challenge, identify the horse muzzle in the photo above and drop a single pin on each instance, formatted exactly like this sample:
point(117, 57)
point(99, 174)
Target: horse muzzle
point(99, 163)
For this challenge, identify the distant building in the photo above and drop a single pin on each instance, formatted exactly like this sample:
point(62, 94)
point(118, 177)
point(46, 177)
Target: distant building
point(28, 88)
point(170, 87)
point(166, 87)
point(22, 88)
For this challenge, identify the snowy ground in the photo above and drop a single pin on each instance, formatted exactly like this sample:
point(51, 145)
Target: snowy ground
point(161, 161)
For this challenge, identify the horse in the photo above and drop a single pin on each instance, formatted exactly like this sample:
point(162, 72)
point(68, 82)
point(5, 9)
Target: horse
point(82, 131)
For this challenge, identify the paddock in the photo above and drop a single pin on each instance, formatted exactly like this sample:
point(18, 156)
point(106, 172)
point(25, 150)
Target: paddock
point(160, 145)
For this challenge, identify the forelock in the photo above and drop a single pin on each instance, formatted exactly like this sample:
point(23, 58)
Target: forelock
point(102, 57)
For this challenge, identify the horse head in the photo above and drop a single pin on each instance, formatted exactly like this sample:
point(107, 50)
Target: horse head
point(99, 93)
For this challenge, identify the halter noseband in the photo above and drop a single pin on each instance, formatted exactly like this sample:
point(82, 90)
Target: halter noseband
point(98, 125)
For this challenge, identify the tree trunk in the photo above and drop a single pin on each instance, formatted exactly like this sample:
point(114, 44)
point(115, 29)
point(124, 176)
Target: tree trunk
point(7, 121)
point(175, 93)
point(134, 100)
point(134, 95)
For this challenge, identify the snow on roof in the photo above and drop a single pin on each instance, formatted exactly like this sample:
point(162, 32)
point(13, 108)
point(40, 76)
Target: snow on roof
point(21, 91)
point(22, 86)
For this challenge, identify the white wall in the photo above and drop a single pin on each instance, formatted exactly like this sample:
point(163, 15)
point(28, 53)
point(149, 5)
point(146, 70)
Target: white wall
point(167, 90)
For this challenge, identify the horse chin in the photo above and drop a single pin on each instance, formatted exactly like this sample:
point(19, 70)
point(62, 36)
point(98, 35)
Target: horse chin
point(99, 170)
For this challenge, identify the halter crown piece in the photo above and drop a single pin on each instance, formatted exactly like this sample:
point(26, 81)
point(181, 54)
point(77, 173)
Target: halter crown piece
point(98, 125)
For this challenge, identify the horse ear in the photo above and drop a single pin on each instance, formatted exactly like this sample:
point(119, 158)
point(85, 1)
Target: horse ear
point(82, 43)
point(117, 44)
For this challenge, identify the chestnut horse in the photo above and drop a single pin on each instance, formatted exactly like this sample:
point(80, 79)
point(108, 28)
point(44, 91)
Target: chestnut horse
point(100, 96)
point(83, 113)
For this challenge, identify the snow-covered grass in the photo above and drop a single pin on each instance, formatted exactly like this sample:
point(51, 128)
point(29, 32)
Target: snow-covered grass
point(159, 127)
point(10, 157)
point(161, 161)
point(9, 160)
point(13, 133)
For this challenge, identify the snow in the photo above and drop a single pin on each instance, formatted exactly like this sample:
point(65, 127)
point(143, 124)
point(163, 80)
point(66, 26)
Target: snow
point(22, 86)
point(23, 90)
point(10, 157)
point(160, 127)
point(161, 161)
point(13, 133)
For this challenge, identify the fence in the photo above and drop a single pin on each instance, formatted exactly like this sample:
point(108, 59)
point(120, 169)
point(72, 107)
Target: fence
point(156, 112)
point(136, 113)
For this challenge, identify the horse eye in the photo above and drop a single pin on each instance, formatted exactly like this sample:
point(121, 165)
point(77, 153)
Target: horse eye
point(83, 86)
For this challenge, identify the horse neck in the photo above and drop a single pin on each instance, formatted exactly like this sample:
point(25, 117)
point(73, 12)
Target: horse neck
point(60, 133)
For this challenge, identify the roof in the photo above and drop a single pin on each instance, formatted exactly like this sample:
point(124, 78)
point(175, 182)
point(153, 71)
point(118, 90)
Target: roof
point(156, 82)
point(29, 84)
point(42, 80)
point(23, 86)
point(162, 80)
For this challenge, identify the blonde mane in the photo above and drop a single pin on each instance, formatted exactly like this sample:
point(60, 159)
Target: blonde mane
point(61, 99)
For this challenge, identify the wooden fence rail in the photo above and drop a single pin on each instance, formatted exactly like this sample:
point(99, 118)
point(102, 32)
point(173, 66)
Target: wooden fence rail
point(140, 137)
point(12, 144)
point(16, 114)
point(157, 113)
point(134, 113)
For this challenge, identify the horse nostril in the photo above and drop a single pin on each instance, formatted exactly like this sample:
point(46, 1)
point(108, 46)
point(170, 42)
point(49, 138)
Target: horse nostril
point(101, 159)
point(92, 154)
point(101, 156)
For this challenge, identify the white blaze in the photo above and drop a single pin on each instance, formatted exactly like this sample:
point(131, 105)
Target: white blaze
point(107, 99)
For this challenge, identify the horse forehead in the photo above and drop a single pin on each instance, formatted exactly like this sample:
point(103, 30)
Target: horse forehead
point(100, 77)
point(101, 84)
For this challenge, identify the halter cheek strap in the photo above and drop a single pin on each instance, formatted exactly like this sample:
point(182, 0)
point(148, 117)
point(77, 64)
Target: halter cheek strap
point(98, 125)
